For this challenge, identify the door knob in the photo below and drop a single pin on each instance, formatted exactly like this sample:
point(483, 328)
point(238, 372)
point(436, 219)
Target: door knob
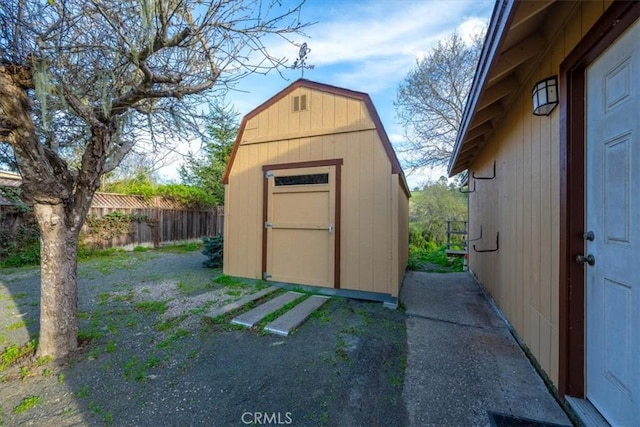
point(589, 259)
point(589, 235)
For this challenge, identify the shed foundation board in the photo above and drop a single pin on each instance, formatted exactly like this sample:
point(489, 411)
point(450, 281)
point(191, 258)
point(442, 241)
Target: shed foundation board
point(344, 293)
point(252, 317)
point(284, 324)
point(242, 301)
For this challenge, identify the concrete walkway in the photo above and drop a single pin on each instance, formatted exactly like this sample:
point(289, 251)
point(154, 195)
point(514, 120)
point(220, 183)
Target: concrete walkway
point(462, 361)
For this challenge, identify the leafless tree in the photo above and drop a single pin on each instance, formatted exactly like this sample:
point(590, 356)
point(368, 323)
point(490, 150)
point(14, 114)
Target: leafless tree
point(82, 81)
point(431, 99)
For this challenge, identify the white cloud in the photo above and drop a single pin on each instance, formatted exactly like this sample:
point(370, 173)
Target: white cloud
point(379, 32)
point(470, 28)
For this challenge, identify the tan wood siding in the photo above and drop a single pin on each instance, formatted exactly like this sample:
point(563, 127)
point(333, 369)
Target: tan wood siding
point(401, 236)
point(332, 127)
point(522, 204)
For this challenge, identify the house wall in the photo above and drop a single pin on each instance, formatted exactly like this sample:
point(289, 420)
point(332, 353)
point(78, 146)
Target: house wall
point(332, 127)
point(522, 204)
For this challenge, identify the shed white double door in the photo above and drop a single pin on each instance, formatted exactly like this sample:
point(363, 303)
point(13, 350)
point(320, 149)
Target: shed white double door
point(300, 225)
point(613, 214)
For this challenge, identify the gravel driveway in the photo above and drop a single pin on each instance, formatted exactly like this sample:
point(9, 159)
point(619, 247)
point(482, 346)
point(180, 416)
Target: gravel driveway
point(150, 358)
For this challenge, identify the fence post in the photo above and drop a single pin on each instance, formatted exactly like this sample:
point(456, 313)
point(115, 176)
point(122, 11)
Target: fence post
point(215, 222)
point(158, 226)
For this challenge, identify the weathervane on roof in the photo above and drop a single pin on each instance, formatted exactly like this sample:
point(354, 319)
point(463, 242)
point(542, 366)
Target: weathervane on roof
point(301, 61)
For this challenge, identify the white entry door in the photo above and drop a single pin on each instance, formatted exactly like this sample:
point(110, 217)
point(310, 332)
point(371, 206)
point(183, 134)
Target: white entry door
point(613, 214)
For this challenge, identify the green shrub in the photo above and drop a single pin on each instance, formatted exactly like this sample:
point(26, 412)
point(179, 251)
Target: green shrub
point(28, 254)
point(213, 248)
point(433, 254)
point(193, 197)
point(20, 246)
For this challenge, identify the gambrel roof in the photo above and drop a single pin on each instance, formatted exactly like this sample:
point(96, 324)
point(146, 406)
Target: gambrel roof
point(396, 168)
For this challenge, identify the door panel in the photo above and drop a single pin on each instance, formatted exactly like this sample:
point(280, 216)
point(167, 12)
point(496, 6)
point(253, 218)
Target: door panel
point(300, 225)
point(613, 213)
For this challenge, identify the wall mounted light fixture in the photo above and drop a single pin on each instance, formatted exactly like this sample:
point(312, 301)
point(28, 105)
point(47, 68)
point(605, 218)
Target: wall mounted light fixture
point(545, 96)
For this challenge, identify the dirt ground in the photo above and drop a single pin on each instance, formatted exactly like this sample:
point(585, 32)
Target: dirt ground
point(149, 357)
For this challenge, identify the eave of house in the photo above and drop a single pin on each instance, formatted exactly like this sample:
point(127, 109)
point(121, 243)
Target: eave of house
point(520, 34)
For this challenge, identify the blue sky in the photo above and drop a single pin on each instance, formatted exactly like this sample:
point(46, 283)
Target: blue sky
point(367, 46)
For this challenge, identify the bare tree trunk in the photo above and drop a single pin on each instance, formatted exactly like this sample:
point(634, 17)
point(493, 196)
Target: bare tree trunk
point(59, 287)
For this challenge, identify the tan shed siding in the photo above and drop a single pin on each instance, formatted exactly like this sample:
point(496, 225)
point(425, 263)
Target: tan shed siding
point(394, 253)
point(522, 204)
point(402, 233)
point(341, 128)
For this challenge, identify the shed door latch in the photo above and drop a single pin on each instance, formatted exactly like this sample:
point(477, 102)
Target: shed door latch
point(266, 276)
point(268, 174)
point(330, 228)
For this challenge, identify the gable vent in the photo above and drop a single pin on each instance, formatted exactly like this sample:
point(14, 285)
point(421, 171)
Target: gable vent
point(300, 103)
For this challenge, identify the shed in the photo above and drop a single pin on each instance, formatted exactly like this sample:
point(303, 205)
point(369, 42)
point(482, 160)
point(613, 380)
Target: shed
point(315, 195)
point(554, 205)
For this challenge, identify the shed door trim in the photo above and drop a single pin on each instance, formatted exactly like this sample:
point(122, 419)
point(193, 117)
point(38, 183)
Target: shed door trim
point(338, 197)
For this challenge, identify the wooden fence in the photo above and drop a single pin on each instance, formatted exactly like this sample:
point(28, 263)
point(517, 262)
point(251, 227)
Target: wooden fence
point(117, 220)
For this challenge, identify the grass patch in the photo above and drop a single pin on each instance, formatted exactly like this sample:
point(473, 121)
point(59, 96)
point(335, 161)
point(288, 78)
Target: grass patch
point(395, 381)
point(16, 325)
point(203, 308)
point(182, 248)
point(110, 347)
point(83, 392)
point(341, 351)
point(188, 288)
point(169, 323)
point(26, 404)
point(86, 253)
point(85, 337)
point(128, 297)
point(170, 342)
point(230, 282)
point(14, 353)
point(364, 314)
point(43, 360)
point(134, 370)
point(321, 314)
point(151, 307)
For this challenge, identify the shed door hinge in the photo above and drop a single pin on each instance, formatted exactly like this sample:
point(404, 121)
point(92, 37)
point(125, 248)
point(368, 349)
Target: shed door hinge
point(266, 276)
point(267, 224)
point(268, 174)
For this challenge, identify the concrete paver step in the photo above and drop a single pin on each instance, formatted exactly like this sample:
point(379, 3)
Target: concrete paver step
point(254, 316)
point(219, 311)
point(290, 320)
